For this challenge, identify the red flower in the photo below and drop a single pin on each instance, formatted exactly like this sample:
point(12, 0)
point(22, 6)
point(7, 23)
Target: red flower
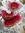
point(12, 21)
point(6, 15)
point(8, 23)
point(14, 6)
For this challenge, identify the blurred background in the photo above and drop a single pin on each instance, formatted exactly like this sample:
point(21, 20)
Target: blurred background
point(21, 28)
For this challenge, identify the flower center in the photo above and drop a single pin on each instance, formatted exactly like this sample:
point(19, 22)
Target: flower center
point(7, 17)
point(13, 8)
